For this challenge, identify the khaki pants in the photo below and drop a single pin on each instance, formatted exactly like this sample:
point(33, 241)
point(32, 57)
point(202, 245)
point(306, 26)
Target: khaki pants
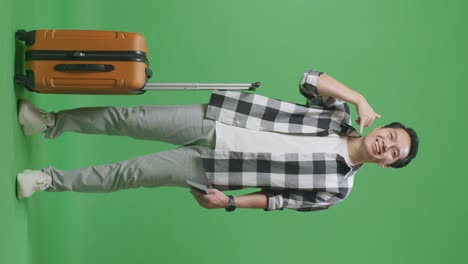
point(181, 125)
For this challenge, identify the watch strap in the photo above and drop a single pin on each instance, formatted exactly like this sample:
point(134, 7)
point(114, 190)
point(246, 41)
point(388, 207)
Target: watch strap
point(231, 205)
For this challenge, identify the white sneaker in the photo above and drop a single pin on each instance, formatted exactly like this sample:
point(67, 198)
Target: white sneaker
point(30, 181)
point(33, 119)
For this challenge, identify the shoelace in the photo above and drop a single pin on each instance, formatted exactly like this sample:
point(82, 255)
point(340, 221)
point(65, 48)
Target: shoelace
point(44, 182)
point(48, 118)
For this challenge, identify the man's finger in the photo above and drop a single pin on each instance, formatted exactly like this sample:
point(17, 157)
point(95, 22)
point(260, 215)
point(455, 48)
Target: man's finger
point(201, 201)
point(196, 193)
point(211, 191)
point(361, 125)
point(378, 116)
point(369, 122)
point(206, 197)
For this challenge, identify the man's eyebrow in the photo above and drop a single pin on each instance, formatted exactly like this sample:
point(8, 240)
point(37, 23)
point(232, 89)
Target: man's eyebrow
point(396, 140)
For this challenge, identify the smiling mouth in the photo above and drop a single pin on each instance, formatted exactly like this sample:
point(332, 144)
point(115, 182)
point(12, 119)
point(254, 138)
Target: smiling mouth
point(376, 147)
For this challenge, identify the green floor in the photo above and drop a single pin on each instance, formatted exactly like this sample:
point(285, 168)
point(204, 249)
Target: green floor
point(408, 58)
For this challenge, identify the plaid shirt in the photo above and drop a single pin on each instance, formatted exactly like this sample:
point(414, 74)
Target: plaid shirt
point(300, 181)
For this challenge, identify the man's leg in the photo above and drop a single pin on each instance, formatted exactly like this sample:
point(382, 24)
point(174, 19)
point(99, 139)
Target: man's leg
point(181, 125)
point(167, 168)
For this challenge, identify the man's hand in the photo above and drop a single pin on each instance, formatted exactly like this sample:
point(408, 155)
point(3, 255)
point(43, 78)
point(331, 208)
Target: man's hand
point(213, 200)
point(328, 86)
point(367, 115)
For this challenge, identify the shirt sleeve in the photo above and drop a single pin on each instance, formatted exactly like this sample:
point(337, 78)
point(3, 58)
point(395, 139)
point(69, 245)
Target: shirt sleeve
point(302, 201)
point(308, 89)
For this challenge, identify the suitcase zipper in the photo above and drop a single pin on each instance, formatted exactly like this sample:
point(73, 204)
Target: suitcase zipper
point(137, 56)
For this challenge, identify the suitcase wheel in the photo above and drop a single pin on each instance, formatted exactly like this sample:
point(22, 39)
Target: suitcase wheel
point(20, 79)
point(137, 92)
point(27, 36)
point(26, 81)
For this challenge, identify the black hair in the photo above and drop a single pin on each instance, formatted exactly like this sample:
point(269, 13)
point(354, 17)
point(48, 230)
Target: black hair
point(413, 148)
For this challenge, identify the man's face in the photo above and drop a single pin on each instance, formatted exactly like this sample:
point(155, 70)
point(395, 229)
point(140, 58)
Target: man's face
point(386, 145)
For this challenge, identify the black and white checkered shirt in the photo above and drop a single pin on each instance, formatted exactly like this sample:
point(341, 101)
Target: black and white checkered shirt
point(300, 181)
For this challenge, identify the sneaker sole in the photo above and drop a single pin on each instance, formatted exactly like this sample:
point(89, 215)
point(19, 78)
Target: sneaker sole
point(19, 191)
point(22, 120)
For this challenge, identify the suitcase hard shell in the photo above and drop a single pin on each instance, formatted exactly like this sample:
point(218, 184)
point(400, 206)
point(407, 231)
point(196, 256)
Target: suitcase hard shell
point(95, 62)
point(84, 62)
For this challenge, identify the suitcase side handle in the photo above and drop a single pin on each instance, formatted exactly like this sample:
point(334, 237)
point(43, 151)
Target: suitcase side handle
point(84, 67)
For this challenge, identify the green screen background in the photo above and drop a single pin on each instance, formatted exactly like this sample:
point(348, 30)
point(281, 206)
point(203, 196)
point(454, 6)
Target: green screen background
point(407, 57)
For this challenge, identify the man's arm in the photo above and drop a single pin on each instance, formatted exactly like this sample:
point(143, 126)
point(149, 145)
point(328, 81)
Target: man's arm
point(297, 200)
point(217, 199)
point(315, 83)
point(328, 86)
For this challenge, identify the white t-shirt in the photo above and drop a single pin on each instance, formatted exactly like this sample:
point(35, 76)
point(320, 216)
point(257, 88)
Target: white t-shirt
point(246, 140)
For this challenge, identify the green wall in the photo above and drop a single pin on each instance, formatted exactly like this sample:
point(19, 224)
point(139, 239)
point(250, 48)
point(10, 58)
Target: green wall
point(407, 57)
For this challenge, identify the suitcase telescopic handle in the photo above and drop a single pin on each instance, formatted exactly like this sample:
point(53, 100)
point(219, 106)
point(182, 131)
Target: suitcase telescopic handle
point(84, 67)
point(202, 86)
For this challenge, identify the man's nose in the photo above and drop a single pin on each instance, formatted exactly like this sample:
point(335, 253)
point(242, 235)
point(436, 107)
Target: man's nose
point(388, 144)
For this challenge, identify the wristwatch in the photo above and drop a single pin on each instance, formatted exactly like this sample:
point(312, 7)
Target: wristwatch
point(231, 205)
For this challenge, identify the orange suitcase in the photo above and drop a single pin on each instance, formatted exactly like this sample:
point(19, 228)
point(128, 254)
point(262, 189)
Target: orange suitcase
point(93, 62)
point(84, 61)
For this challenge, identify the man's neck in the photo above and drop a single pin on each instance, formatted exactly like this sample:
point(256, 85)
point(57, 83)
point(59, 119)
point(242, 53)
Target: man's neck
point(356, 150)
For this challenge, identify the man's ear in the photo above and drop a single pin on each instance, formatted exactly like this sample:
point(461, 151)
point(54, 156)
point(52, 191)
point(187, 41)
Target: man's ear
point(385, 166)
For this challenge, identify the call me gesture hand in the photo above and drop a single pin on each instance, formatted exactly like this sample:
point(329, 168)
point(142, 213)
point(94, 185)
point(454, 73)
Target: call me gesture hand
point(328, 86)
point(367, 115)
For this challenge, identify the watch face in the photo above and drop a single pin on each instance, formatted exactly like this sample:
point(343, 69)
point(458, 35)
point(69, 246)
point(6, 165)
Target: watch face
point(230, 208)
